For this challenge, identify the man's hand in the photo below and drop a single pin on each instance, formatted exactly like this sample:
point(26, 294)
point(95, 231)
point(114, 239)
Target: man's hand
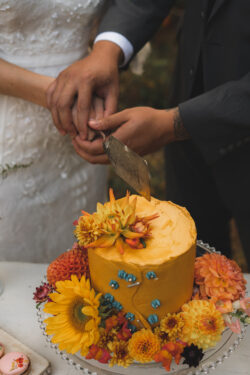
point(142, 129)
point(96, 74)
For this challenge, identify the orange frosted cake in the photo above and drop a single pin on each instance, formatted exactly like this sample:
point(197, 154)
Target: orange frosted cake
point(131, 288)
point(154, 276)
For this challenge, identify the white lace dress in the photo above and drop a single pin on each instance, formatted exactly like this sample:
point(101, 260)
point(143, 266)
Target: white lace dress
point(44, 184)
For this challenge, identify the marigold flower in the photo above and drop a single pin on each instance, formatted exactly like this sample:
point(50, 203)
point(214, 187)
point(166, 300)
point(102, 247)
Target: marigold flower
point(163, 336)
point(219, 278)
point(203, 324)
point(144, 345)
point(172, 324)
point(120, 354)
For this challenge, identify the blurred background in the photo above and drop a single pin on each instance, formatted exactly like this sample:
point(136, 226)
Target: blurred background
point(151, 88)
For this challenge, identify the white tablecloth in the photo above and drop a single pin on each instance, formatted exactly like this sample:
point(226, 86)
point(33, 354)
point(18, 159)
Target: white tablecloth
point(18, 317)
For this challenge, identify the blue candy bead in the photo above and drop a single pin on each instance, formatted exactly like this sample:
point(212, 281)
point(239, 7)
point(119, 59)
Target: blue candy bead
point(130, 278)
point(122, 274)
point(114, 284)
point(117, 305)
point(132, 328)
point(109, 297)
point(153, 318)
point(130, 316)
point(155, 303)
point(150, 275)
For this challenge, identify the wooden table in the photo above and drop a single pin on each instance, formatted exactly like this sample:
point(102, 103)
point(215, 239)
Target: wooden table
point(18, 317)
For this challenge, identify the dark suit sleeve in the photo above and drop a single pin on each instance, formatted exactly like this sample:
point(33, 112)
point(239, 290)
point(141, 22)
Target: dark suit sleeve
point(137, 20)
point(218, 121)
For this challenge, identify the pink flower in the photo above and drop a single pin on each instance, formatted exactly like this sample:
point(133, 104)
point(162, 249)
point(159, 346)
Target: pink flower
point(42, 293)
point(233, 325)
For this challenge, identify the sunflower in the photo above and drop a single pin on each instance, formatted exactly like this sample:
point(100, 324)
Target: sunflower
point(203, 324)
point(144, 345)
point(74, 325)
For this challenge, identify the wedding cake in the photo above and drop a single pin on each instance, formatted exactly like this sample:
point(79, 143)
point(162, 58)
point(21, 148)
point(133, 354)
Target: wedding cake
point(155, 278)
point(131, 289)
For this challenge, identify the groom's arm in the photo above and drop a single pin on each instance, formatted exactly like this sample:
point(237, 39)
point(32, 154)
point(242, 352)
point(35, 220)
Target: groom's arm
point(97, 74)
point(130, 24)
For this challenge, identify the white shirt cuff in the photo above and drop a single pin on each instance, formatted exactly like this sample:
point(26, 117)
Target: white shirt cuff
point(121, 41)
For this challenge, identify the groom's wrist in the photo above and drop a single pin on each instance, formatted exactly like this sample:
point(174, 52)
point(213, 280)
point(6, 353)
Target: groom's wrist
point(110, 50)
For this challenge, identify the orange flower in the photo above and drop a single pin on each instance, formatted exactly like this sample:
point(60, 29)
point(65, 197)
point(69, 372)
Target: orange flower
point(73, 262)
point(113, 224)
point(203, 324)
point(144, 345)
point(219, 278)
point(172, 324)
point(164, 357)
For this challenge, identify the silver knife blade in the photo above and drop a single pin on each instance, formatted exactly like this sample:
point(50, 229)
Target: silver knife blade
point(132, 168)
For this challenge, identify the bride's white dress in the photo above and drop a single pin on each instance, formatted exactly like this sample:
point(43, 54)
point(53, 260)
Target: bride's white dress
point(44, 184)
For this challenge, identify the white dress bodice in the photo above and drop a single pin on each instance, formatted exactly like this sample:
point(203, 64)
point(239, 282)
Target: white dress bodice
point(44, 184)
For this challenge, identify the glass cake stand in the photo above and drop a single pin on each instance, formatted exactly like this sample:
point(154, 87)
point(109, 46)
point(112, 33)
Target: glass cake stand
point(212, 357)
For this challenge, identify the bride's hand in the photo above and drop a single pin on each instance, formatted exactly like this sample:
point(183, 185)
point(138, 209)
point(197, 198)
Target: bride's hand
point(24, 84)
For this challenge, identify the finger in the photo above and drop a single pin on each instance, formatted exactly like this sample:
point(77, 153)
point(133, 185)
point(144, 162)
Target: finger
point(51, 100)
point(110, 122)
point(90, 132)
point(64, 106)
point(83, 110)
point(111, 101)
point(93, 148)
point(93, 159)
point(98, 106)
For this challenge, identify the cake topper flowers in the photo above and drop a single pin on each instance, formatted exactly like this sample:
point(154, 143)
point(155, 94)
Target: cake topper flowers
point(114, 223)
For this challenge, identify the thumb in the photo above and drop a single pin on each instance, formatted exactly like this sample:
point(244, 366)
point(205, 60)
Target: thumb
point(110, 122)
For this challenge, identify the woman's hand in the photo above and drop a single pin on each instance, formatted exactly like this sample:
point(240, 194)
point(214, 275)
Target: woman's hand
point(143, 129)
point(24, 84)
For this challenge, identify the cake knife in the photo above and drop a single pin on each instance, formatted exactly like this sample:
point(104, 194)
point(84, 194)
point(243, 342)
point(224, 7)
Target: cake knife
point(128, 165)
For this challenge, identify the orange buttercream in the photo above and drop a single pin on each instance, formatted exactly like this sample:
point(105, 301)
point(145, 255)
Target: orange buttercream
point(169, 253)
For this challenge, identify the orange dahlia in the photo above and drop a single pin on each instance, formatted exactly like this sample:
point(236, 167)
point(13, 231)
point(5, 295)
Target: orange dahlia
point(203, 324)
point(219, 278)
point(144, 345)
point(72, 262)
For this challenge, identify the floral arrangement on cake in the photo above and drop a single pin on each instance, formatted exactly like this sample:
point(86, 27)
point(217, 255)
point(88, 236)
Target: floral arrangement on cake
point(83, 320)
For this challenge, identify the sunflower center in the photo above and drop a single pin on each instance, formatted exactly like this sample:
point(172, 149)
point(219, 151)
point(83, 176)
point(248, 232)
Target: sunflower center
point(78, 319)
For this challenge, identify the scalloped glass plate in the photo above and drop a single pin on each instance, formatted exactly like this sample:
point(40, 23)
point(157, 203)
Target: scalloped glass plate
point(211, 359)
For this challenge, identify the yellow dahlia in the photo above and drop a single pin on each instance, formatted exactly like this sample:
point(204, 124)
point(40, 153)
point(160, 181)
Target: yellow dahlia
point(143, 345)
point(74, 325)
point(203, 324)
point(113, 223)
point(219, 278)
point(120, 354)
point(172, 324)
